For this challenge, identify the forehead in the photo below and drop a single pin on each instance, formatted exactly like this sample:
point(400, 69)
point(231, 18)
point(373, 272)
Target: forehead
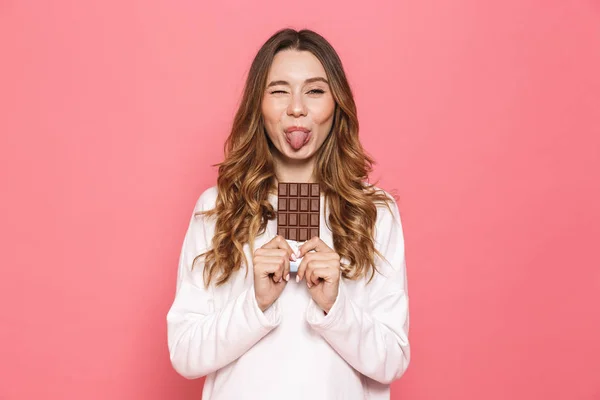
point(294, 65)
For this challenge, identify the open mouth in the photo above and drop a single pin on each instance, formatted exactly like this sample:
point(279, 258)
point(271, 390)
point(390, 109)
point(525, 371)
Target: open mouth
point(297, 138)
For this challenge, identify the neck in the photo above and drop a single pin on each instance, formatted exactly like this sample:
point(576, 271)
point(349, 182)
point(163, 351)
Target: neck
point(294, 170)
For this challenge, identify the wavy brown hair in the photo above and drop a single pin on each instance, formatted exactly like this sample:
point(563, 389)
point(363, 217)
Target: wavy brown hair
point(246, 176)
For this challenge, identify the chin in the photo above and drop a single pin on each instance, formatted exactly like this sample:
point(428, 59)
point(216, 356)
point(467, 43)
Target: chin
point(299, 155)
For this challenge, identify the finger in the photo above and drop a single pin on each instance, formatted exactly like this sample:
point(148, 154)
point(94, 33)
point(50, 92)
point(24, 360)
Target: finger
point(316, 276)
point(286, 266)
point(324, 270)
point(315, 257)
point(286, 270)
point(273, 253)
point(279, 257)
point(278, 274)
point(315, 243)
point(317, 272)
point(322, 257)
point(302, 267)
point(267, 268)
point(272, 266)
point(320, 273)
point(310, 270)
point(270, 256)
point(279, 242)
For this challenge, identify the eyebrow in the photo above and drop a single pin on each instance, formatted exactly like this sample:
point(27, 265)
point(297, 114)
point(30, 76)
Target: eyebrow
point(309, 80)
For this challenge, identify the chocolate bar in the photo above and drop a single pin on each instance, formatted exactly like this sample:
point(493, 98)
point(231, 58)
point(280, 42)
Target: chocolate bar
point(298, 210)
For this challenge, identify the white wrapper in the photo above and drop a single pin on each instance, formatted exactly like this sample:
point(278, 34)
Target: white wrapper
point(295, 246)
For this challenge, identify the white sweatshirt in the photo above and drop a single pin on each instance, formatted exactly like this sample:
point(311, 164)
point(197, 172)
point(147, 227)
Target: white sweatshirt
point(292, 350)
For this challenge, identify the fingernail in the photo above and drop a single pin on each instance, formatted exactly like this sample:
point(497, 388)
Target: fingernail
point(287, 277)
point(308, 284)
point(297, 278)
point(294, 257)
point(298, 254)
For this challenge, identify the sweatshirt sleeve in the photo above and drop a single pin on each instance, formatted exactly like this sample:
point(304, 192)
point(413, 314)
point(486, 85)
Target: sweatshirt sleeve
point(373, 339)
point(202, 339)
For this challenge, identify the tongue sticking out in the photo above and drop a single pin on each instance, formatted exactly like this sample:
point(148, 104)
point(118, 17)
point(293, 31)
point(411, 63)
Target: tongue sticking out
point(297, 139)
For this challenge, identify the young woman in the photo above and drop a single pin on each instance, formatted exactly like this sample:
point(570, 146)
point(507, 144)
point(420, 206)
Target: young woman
point(336, 329)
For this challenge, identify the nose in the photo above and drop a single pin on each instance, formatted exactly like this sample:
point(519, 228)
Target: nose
point(296, 108)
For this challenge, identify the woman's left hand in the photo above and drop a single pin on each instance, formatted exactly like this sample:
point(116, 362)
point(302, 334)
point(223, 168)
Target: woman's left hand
point(321, 270)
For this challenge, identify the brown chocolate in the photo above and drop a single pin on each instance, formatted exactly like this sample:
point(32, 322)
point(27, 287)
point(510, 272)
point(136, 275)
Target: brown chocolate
point(298, 210)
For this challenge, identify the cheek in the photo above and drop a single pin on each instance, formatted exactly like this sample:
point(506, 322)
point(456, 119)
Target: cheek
point(272, 121)
point(271, 111)
point(323, 112)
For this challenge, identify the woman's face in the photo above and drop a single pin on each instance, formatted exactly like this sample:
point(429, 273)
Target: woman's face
point(297, 105)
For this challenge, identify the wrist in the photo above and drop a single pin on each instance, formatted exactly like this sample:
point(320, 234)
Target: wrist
point(327, 308)
point(263, 305)
point(261, 302)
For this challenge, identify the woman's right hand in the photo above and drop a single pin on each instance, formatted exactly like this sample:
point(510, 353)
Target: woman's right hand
point(271, 270)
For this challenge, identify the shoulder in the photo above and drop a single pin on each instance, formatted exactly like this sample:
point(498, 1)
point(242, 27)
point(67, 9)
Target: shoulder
point(387, 211)
point(389, 235)
point(207, 199)
point(388, 226)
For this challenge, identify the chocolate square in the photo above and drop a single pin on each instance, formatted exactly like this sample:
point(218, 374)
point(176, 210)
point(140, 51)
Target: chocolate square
point(298, 210)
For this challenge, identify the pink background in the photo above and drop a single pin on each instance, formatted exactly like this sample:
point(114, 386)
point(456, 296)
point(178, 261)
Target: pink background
point(484, 116)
